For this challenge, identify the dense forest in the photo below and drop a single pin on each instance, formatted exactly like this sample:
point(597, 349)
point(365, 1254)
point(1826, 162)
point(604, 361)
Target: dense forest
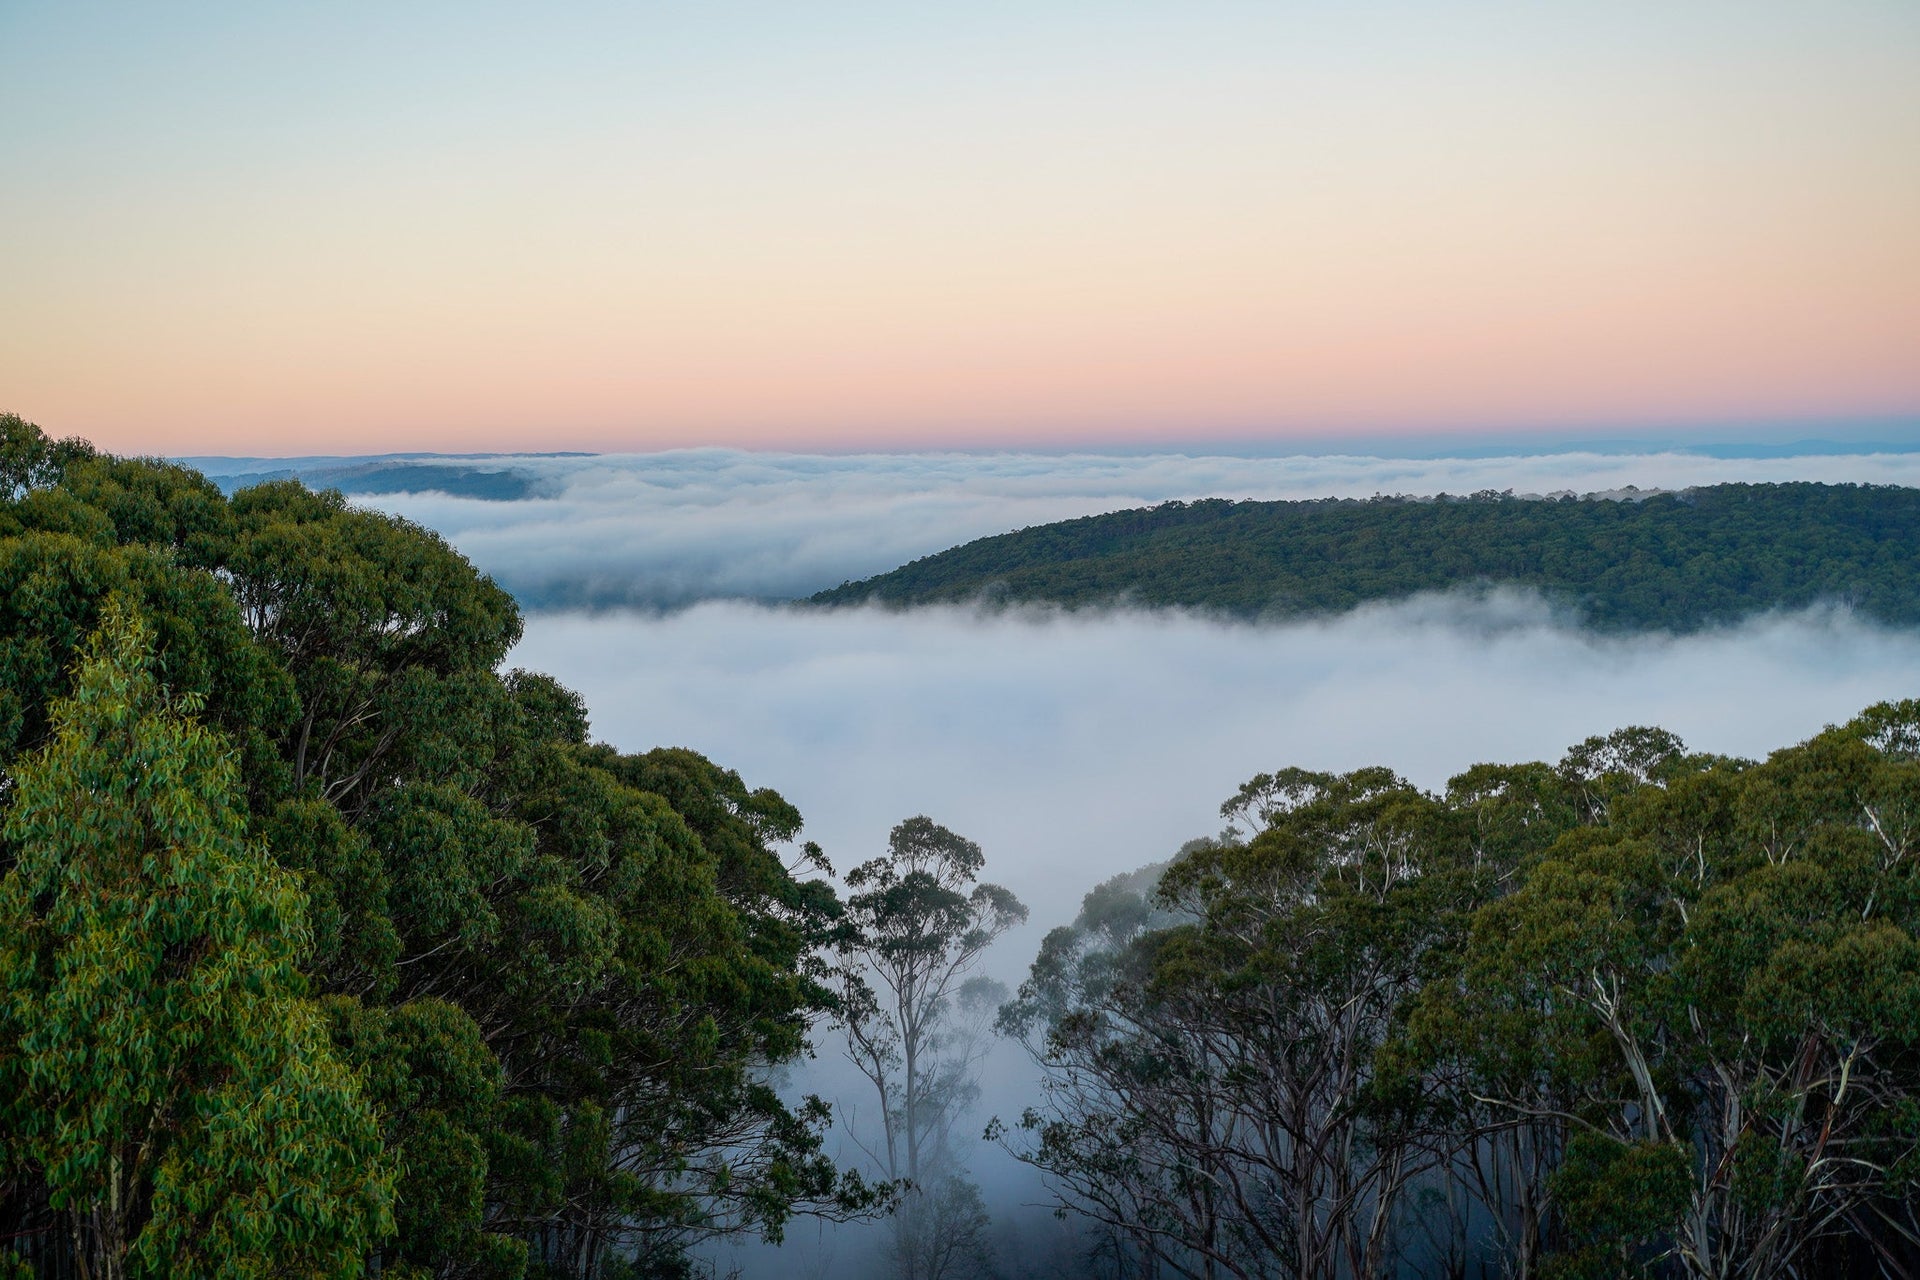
point(329, 948)
point(1677, 561)
point(325, 945)
point(1638, 1013)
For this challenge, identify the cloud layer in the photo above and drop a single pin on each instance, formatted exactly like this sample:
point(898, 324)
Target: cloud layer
point(1074, 747)
point(667, 529)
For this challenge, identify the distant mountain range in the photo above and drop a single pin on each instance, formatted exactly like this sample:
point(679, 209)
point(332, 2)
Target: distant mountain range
point(494, 485)
point(1673, 561)
point(493, 477)
point(487, 476)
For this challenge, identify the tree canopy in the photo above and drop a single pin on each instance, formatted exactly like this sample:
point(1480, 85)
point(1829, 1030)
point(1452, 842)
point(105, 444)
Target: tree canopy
point(161, 1070)
point(921, 919)
point(1640, 1013)
point(535, 985)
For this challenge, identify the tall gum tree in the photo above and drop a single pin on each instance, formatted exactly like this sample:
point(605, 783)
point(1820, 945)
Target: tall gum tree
point(159, 1065)
point(1718, 988)
point(920, 920)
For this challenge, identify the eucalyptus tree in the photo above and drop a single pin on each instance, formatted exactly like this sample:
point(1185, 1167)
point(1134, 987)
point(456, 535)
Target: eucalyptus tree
point(160, 1069)
point(1212, 1088)
point(561, 973)
point(919, 920)
point(1719, 993)
point(1495, 1159)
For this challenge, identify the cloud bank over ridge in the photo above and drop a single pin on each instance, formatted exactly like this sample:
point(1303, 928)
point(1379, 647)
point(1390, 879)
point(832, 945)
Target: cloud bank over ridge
point(664, 530)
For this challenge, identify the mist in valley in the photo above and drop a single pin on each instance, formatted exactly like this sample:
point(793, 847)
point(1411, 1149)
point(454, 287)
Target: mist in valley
point(1074, 747)
point(663, 530)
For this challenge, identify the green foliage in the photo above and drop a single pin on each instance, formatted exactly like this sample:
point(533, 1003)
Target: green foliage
point(1619, 1200)
point(428, 1069)
point(920, 920)
point(558, 976)
point(1652, 1013)
point(1724, 962)
point(1674, 562)
point(1211, 1087)
point(29, 462)
point(164, 1072)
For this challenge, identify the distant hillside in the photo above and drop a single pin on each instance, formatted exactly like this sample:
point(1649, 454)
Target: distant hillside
point(491, 483)
point(1668, 561)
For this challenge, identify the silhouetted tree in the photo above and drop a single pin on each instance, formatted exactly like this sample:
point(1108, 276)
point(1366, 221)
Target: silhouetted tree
point(920, 920)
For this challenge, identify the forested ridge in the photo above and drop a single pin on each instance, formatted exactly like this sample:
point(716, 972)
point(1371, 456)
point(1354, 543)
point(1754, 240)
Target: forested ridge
point(1673, 561)
point(328, 948)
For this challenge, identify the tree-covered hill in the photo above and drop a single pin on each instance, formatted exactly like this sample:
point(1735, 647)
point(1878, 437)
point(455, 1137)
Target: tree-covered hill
point(1675, 561)
point(490, 480)
point(328, 949)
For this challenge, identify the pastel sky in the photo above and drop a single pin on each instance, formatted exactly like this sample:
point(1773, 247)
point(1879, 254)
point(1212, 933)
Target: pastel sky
point(294, 228)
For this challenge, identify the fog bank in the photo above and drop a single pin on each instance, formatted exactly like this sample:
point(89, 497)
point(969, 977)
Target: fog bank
point(667, 529)
point(1075, 746)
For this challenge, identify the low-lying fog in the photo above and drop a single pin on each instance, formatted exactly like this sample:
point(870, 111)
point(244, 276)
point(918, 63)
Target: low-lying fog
point(1076, 746)
point(665, 529)
point(1073, 746)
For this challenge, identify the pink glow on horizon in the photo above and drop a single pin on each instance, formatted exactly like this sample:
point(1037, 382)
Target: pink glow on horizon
point(982, 231)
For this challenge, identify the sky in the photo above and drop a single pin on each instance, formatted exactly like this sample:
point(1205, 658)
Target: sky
point(343, 227)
